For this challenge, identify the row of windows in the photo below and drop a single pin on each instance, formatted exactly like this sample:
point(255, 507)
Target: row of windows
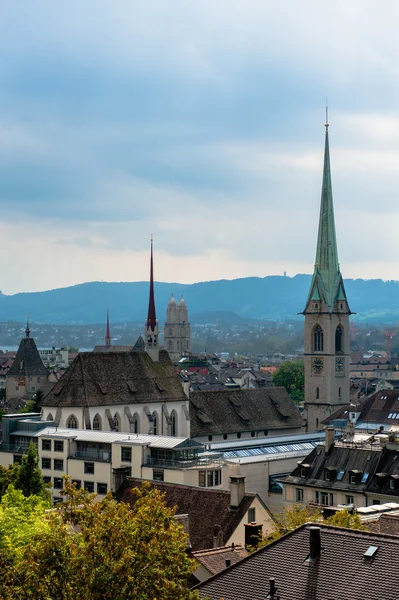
point(58, 445)
point(318, 339)
point(73, 423)
point(58, 464)
point(58, 484)
point(326, 498)
point(225, 435)
point(210, 478)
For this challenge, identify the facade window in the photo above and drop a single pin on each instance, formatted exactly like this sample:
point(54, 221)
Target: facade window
point(46, 479)
point(225, 436)
point(376, 501)
point(352, 479)
point(126, 454)
point(298, 495)
point(77, 483)
point(135, 426)
point(349, 500)
point(158, 475)
point(251, 515)
point(102, 489)
point(318, 339)
point(58, 483)
point(239, 435)
point(331, 499)
point(252, 434)
point(155, 423)
point(89, 486)
point(46, 445)
point(97, 423)
point(58, 464)
point(210, 478)
point(58, 446)
point(339, 392)
point(339, 338)
point(173, 423)
point(46, 463)
point(324, 498)
point(17, 458)
point(317, 497)
point(210, 438)
point(317, 392)
point(50, 417)
point(89, 468)
point(117, 422)
point(72, 422)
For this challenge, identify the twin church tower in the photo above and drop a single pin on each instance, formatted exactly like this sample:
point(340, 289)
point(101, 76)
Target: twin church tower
point(327, 336)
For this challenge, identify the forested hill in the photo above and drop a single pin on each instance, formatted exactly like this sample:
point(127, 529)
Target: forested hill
point(273, 297)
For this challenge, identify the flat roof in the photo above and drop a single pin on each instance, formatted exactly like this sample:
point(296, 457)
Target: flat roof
point(108, 437)
point(266, 441)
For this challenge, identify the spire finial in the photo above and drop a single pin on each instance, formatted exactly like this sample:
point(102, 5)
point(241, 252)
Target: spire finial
point(107, 333)
point(151, 320)
point(326, 123)
point(27, 330)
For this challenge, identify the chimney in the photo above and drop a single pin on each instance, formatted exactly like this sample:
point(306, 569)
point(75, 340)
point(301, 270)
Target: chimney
point(329, 441)
point(237, 490)
point(350, 430)
point(217, 536)
point(315, 543)
point(272, 590)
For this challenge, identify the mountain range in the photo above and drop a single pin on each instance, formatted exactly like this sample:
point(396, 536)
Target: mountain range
point(263, 298)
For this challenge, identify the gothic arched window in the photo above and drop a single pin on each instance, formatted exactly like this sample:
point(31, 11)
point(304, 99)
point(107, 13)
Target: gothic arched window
point(97, 422)
point(117, 422)
point(135, 425)
point(339, 339)
point(72, 422)
point(155, 423)
point(50, 417)
point(173, 423)
point(318, 339)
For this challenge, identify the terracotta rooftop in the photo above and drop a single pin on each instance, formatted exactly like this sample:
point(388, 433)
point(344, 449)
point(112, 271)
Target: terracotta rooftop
point(214, 559)
point(342, 570)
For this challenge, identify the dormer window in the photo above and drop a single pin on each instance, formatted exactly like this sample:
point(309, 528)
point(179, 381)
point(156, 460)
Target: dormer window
point(304, 470)
point(330, 474)
point(355, 477)
point(380, 479)
point(394, 482)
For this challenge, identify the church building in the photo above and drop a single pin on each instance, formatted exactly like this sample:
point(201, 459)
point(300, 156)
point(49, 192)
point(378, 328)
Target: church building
point(177, 329)
point(327, 335)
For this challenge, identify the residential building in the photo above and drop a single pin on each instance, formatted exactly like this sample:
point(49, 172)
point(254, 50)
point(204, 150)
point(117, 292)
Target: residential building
point(52, 357)
point(214, 560)
point(313, 561)
point(177, 328)
point(216, 517)
point(327, 332)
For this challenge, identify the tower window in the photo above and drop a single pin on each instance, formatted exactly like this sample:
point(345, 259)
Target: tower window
point(339, 338)
point(317, 392)
point(318, 339)
point(173, 423)
point(339, 392)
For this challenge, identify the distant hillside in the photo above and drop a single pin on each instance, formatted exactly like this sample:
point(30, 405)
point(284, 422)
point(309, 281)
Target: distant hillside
point(272, 297)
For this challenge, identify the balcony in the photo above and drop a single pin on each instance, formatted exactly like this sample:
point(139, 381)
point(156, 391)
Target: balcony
point(14, 448)
point(92, 454)
point(184, 463)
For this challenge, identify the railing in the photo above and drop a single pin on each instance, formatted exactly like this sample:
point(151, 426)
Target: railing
point(15, 448)
point(92, 454)
point(184, 463)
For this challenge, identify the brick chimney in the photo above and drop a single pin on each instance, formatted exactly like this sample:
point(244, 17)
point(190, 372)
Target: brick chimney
point(314, 542)
point(329, 441)
point(350, 430)
point(237, 490)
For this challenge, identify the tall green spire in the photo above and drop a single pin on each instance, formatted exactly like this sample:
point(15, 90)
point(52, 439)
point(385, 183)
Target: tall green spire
point(327, 281)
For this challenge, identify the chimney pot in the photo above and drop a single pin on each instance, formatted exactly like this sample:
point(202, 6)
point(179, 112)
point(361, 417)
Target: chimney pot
point(237, 490)
point(315, 542)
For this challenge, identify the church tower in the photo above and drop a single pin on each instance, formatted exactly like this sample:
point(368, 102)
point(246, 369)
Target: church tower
point(151, 334)
point(327, 334)
point(177, 328)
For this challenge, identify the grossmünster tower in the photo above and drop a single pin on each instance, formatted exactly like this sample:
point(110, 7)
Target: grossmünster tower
point(327, 344)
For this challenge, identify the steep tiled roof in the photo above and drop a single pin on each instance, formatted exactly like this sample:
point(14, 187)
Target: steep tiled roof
point(386, 475)
point(104, 378)
point(341, 571)
point(378, 408)
point(27, 361)
point(230, 411)
point(214, 559)
point(346, 459)
point(206, 508)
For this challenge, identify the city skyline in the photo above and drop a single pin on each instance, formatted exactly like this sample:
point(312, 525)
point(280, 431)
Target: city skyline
point(202, 123)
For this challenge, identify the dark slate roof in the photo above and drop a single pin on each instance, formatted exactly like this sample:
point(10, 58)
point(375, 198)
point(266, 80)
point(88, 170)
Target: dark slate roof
point(214, 559)
point(230, 411)
point(27, 361)
point(104, 378)
point(339, 458)
point(206, 508)
point(342, 571)
point(375, 409)
point(386, 471)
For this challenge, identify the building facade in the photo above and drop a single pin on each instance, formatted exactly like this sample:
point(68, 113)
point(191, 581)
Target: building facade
point(327, 332)
point(177, 328)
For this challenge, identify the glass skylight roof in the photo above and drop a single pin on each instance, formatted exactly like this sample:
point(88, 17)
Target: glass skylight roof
point(283, 449)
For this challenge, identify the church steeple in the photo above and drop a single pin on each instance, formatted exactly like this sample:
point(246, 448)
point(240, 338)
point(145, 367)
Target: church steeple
point(151, 325)
point(27, 330)
point(108, 333)
point(327, 284)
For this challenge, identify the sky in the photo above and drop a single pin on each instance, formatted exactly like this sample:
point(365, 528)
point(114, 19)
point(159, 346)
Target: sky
point(200, 122)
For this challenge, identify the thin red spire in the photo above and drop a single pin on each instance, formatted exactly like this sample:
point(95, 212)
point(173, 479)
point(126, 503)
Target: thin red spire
point(108, 333)
point(152, 318)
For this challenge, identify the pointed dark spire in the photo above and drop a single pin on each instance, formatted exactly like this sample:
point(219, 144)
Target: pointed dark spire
point(27, 330)
point(108, 333)
point(152, 318)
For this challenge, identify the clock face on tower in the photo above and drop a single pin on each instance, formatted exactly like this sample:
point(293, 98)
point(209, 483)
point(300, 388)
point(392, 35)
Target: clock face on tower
point(339, 365)
point(317, 366)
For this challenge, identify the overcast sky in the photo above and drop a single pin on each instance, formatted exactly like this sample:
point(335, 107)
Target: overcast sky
point(201, 121)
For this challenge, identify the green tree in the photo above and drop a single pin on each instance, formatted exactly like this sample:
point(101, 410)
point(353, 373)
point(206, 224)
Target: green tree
point(291, 375)
point(8, 476)
point(103, 551)
point(28, 477)
point(344, 518)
